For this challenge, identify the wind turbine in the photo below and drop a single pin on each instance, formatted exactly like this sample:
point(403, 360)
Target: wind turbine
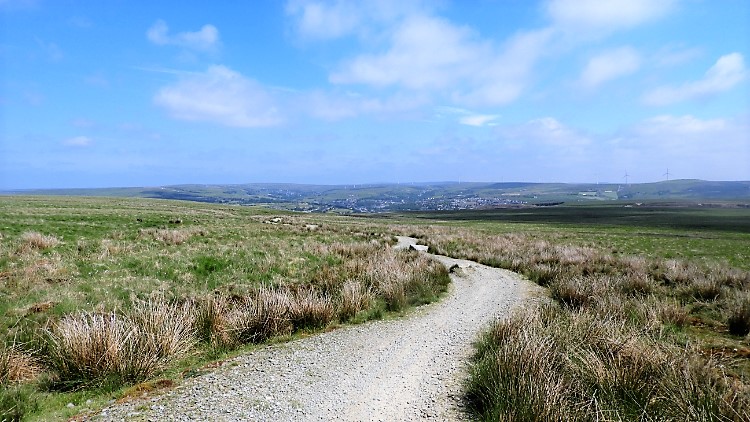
point(626, 177)
point(666, 174)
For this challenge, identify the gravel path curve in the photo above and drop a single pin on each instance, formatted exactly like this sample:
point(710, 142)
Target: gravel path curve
point(395, 370)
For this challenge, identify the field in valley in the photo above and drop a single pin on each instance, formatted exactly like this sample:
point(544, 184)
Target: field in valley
point(632, 287)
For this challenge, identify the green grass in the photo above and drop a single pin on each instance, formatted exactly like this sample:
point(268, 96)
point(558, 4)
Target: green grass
point(75, 274)
point(710, 235)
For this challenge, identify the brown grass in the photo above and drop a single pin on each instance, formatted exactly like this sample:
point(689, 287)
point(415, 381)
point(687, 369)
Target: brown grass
point(671, 312)
point(258, 318)
point(311, 309)
point(92, 347)
point(606, 345)
point(17, 366)
point(738, 314)
point(38, 241)
point(168, 236)
point(354, 298)
point(553, 364)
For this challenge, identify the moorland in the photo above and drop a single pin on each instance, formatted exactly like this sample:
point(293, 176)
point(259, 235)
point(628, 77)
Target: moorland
point(640, 295)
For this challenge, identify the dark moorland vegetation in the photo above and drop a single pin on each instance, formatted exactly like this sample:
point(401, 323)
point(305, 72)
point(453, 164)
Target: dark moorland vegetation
point(100, 294)
point(632, 332)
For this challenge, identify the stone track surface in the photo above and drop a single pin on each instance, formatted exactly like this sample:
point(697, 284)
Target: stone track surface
point(404, 369)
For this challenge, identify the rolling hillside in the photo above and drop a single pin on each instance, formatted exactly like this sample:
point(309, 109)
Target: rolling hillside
point(426, 196)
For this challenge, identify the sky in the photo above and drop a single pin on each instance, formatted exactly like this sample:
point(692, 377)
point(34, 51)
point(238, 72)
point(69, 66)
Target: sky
point(142, 93)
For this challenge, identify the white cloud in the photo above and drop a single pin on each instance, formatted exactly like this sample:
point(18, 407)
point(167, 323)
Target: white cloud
point(676, 55)
point(467, 117)
point(78, 141)
point(325, 20)
point(432, 54)
point(205, 39)
point(425, 53)
point(690, 146)
point(610, 15)
point(222, 96)
point(610, 65)
point(501, 76)
point(479, 120)
point(728, 71)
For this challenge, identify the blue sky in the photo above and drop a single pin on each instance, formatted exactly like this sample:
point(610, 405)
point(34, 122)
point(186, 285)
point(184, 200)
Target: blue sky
point(136, 93)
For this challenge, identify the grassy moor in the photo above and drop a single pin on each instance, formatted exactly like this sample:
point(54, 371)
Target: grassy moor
point(647, 314)
point(648, 317)
point(100, 294)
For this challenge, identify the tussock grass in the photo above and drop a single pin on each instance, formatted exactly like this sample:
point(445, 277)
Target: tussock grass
point(311, 309)
point(168, 236)
point(354, 298)
point(258, 318)
point(738, 314)
point(556, 364)
point(672, 313)
point(91, 348)
point(17, 366)
point(38, 241)
point(210, 319)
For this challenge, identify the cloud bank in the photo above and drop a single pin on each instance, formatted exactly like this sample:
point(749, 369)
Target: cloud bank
point(726, 73)
point(219, 95)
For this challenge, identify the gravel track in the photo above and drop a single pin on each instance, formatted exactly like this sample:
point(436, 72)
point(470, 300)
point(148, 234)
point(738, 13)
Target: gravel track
point(410, 368)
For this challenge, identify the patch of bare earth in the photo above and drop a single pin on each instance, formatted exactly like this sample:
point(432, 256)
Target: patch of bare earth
point(410, 368)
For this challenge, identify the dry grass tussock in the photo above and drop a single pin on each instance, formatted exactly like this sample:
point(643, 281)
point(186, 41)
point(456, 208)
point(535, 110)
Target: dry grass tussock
point(738, 313)
point(38, 241)
point(311, 309)
point(32, 269)
point(94, 347)
point(367, 276)
point(168, 236)
point(399, 278)
point(608, 349)
point(17, 366)
point(354, 298)
point(554, 364)
point(265, 313)
point(260, 317)
point(110, 248)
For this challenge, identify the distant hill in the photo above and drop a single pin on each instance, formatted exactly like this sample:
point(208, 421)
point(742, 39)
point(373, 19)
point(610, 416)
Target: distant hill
point(427, 196)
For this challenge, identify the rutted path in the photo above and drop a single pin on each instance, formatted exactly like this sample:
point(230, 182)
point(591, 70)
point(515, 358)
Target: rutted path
point(404, 369)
